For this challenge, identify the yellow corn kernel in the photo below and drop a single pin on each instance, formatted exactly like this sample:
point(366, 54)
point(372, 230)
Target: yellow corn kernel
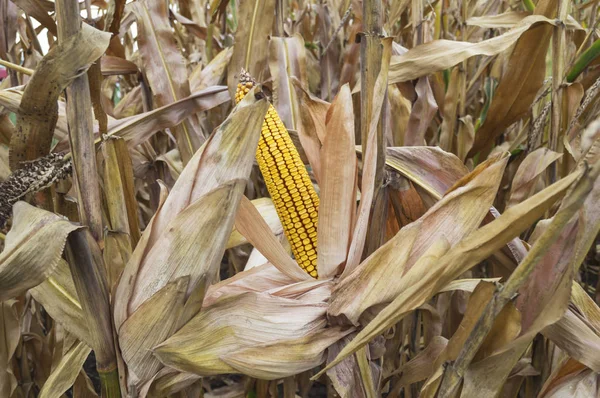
point(288, 183)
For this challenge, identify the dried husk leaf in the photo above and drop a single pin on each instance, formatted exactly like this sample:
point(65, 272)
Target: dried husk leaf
point(250, 224)
point(266, 209)
point(311, 126)
point(338, 186)
point(434, 271)
point(64, 374)
point(32, 249)
point(452, 218)
point(287, 358)
point(233, 324)
point(136, 339)
point(187, 235)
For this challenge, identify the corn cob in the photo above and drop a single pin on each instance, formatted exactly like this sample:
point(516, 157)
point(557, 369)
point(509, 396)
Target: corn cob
point(288, 183)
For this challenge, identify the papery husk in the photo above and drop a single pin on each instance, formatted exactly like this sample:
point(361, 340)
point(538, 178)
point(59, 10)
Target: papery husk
point(232, 325)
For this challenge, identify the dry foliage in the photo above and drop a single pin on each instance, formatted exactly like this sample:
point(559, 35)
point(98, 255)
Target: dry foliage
point(454, 146)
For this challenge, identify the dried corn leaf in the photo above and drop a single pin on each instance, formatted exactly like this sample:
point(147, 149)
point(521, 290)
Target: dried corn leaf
point(370, 156)
point(574, 335)
point(10, 334)
point(38, 109)
point(287, 58)
point(36, 9)
point(430, 168)
point(521, 82)
point(443, 54)
point(64, 374)
point(212, 74)
point(111, 65)
point(239, 323)
point(165, 68)
point(528, 174)
point(430, 274)
point(58, 296)
point(338, 186)
point(422, 365)
point(32, 249)
point(452, 218)
point(421, 114)
point(251, 47)
point(137, 129)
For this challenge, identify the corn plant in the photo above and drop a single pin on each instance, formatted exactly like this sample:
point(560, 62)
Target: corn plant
point(270, 198)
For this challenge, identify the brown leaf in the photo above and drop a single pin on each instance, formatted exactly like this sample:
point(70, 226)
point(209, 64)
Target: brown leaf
point(421, 280)
point(165, 69)
point(250, 49)
point(451, 219)
point(337, 208)
point(32, 249)
point(443, 54)
point(521, 82)
point(241, 322)
point(204, 76)
point(38, 110)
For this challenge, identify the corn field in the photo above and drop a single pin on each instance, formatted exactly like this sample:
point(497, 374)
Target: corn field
point(299, 198)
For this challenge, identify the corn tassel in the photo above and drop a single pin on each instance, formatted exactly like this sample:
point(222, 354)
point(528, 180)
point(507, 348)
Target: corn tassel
point(288, 183)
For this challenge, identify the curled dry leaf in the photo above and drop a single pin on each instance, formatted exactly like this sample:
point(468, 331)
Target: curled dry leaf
point(38, 110)
point(443, 54)
point(33, 248)
point(455, 216)
point(441, 265)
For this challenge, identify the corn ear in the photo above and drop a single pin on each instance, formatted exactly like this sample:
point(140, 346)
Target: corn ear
point(288, 183)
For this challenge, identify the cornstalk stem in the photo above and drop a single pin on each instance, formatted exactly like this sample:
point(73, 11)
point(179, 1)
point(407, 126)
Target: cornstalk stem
point(81, 132)
point(371, 53)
